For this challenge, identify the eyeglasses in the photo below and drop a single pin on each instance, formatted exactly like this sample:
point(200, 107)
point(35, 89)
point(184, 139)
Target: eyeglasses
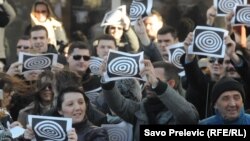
point(42, 11)
point(24, 47)
point(113, 28)
point(219, 60)
point(78, 57)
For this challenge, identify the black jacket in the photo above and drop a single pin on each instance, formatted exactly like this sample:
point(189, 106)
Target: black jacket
point(86, 131)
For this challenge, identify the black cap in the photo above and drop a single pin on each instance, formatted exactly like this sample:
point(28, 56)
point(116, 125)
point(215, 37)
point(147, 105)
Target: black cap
point(226, 84)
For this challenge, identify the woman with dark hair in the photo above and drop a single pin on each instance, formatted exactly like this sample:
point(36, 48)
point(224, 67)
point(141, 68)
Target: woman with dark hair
point(72, 103)
point(43, 98)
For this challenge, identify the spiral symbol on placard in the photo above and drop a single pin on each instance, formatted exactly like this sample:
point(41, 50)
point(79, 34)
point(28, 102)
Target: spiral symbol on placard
point(123, 66)
point(227, 5)
point(117, 134)
point(175, 57)
point(208, 41)
point(94, 65)
point(243, 15)
point(136, 10)
point(50, 130)
point(38, 62)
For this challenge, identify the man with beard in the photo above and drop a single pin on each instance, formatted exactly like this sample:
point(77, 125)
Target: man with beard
point(163, 104)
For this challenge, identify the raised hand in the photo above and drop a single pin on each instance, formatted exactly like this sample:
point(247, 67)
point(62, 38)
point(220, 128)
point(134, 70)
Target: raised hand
point(187, 42)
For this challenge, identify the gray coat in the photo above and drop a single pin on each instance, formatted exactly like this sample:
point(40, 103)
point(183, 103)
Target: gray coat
point(180, 111)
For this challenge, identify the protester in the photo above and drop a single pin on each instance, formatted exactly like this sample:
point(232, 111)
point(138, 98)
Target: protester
point(72, 103)
point(228, 102)
point(162, 105)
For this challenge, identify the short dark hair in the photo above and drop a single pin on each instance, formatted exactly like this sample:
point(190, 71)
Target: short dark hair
point(79, 45)
point(60, 97)
point(97, 41)
point(170, 70)
point(66, 78)
point(24, 37)
point(38, 28)
point(168, 29)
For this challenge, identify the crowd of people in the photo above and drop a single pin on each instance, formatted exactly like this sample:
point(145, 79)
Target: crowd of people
point(213, 91)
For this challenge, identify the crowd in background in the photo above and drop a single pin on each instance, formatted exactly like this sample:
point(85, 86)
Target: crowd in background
point(214, 91)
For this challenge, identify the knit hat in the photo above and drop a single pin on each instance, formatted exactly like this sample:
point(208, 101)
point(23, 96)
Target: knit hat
point(226, 84)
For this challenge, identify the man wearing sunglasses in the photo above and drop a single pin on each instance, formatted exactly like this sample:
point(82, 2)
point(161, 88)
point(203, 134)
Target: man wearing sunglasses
point(78, 61)
point(23, 45)
point(200, 85)
point(215, 66)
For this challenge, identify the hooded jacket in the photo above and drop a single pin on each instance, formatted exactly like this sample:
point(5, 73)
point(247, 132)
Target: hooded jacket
point(54, 27)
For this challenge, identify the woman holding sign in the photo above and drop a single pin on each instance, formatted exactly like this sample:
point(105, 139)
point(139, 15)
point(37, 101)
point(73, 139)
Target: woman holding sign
point(72, 103)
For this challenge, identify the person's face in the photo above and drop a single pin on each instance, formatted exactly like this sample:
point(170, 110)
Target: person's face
point(229, 104)
point(116, 31)
point(79, 60)
point(164, 41)
point(41, 12)
point(46, 93)
point(39, 41)
point(73, 106)
point(103, 48)
point(23, 46)
point(152, 25)
point(215, 66)
point(229, 68)
point(160, 73)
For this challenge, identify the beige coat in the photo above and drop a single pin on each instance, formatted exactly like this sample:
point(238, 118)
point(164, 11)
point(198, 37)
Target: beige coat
point(12, 15)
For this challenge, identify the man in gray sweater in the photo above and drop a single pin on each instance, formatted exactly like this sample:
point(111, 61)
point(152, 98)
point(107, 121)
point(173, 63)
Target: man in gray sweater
point(163, 103)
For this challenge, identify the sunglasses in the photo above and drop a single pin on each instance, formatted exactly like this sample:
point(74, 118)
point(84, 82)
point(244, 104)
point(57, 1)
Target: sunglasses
point(219, 60)
point(78, 57)
point(45, 86)
point(24, 47)
point(43, 11)
point(113, 28)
